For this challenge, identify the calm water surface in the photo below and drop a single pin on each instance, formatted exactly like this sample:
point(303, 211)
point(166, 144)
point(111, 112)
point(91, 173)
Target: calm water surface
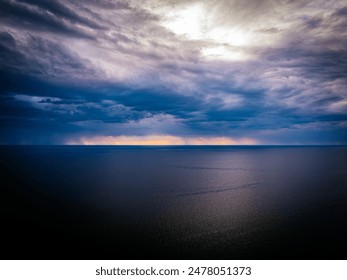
point(67, 202)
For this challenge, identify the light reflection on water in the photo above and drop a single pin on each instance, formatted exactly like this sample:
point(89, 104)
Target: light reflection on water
point(207, 202)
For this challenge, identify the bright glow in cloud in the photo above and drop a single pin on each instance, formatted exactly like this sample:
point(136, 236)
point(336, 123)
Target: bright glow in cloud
point(188, 21)
point(160, 140)
point(196, 22)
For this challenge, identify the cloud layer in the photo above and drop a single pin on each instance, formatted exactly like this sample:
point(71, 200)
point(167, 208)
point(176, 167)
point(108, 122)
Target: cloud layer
point(273, 71)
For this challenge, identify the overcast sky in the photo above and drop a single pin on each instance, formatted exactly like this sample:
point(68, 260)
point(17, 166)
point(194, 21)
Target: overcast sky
point(173, 72)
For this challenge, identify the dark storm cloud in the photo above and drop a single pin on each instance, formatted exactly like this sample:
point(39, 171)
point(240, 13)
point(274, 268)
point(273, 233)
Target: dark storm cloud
point(22, 15)
point(39, 57)
point(61, 11)
point(268, 70)
point(9, 57)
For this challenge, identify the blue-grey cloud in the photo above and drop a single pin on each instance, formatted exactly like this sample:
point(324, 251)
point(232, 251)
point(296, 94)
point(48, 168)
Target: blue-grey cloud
point(274, 71)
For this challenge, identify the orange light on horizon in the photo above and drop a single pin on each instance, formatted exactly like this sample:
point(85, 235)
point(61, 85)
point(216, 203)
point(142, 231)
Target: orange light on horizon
point(160, 140)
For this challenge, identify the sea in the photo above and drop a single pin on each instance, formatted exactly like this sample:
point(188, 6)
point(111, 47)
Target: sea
point(173, 202)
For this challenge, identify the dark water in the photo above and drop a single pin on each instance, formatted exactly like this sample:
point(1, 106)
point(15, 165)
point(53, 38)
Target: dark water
point(105, 202)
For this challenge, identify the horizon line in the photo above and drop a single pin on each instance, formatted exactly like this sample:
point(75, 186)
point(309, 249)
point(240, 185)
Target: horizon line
point(172, 145)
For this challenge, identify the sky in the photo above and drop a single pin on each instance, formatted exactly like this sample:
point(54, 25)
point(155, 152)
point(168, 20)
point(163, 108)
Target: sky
point(173, 72)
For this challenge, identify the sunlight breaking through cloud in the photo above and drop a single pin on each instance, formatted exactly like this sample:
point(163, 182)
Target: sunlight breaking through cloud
point(160, 140)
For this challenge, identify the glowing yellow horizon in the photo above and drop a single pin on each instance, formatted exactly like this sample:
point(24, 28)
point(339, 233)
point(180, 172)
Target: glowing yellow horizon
point(160, 140)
